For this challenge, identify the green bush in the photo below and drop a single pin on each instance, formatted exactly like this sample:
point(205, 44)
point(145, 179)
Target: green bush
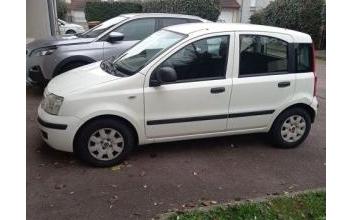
point(61, 9)
point(208, 9)
point(301, 15)
point(102, 11)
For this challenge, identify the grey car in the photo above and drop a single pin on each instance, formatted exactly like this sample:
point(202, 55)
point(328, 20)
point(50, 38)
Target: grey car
point(47, 58)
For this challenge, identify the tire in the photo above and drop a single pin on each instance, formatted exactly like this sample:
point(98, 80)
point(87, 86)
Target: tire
point(70, 32)
point(290, 128)
point(71, 66)
point(95, 154)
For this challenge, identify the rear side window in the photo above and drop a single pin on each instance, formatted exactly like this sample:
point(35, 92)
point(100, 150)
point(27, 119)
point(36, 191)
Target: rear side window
point(193, 21)
point(262, 55)
point(171, 21)
point(304, 58)
point(137, 29)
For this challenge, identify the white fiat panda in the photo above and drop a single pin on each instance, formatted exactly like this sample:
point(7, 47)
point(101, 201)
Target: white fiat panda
point(183, 82)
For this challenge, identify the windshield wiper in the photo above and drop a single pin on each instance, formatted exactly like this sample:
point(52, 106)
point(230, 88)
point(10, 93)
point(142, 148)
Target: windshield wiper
point(109, 67)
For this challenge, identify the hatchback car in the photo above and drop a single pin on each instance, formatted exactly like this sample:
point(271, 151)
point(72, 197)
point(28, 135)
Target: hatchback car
point(47, 58)
point(183, 82)
point(69, 28)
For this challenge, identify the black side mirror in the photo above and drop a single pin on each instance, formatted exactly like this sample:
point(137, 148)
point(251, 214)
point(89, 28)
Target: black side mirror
point(163, 75)
point(115, 36)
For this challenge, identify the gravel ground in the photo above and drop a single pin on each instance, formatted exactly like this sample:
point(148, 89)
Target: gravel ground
point(159, 177)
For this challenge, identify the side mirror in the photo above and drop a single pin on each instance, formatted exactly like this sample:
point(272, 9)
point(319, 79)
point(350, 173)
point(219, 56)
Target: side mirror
point(115, 36)
point(163, 75)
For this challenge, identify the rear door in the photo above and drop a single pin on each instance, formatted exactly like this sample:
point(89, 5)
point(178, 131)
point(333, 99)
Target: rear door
point(198, 101)
point(265, 79)
point(134, 31)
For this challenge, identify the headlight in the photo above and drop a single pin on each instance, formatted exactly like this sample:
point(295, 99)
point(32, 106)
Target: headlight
point(52, 103)
point(44, 51)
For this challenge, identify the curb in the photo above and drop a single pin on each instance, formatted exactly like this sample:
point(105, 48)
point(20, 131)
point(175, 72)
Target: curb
point(167, 215)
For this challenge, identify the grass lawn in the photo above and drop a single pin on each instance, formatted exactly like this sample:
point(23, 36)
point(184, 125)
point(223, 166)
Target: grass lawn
point(310, 205)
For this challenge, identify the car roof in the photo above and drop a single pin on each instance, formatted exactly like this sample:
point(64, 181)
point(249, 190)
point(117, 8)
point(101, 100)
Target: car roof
point(143, 15)
point(206, 28)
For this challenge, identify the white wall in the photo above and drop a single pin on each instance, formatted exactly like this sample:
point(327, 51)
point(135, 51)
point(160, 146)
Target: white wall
point(246, 11)
point(37, 19)
point(229, 15)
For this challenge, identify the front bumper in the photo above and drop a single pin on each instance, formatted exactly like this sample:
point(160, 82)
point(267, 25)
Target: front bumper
point(58, 131)
point(39, 69)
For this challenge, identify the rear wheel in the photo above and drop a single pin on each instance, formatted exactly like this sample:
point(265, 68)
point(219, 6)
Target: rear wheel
point(290, 128)
point(104, 142)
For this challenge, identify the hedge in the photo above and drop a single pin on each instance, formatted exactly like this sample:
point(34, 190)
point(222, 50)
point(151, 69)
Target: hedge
point(207, 9)
point(302, 15)
point(61, 9)
point(102, 11)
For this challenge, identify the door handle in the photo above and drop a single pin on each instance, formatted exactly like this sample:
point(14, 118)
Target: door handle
point(283, 84)
point(217, 90)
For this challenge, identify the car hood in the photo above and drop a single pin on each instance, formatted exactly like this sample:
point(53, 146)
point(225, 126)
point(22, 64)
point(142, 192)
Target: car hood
point(79, 78)
point(57, 41)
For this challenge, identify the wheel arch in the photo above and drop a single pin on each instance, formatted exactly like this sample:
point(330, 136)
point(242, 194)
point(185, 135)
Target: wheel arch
point(304, 106)
point(70, 30)
point(78, 58)
point(106, 116)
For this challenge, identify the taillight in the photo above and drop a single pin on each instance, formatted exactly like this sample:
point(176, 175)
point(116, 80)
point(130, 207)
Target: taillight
point(314, 71)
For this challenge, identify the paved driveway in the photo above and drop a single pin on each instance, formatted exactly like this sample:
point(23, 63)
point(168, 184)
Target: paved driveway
point(166, 176)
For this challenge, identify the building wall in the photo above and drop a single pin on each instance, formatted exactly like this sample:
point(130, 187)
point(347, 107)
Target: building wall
point(229, 15)
point(247, 10)
point(37, 19)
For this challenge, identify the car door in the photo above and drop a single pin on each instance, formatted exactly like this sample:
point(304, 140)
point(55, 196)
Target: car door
point(198, 101)
point(265, 79)
point(133, 32)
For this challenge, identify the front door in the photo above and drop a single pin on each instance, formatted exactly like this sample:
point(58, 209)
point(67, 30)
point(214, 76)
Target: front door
point(198, 101)
point(133, 32)
point(265, 82)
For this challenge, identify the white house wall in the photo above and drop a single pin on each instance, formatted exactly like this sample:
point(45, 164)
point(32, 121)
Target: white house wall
point(229, 15)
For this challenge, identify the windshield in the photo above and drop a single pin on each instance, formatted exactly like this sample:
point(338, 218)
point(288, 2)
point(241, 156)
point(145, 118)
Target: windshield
point(139, 55)
point(99, 29)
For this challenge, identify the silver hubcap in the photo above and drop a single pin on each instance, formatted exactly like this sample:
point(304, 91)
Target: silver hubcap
point(105, 144)
point(293, 128)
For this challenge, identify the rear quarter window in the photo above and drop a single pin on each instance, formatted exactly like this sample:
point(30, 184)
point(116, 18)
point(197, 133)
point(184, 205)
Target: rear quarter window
point(304, 58)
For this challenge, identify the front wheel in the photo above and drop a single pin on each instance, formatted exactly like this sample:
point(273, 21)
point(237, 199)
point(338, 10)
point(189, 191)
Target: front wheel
point(290, 128)
point(104, 142)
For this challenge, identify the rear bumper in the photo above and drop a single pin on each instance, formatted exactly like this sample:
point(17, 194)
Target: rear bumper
point(315, 106)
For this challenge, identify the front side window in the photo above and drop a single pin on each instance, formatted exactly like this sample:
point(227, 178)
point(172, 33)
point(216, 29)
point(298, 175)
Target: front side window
point(304, 60)
point(145, 51)
point(200, 60)
point(137, 29)
point(262, 55)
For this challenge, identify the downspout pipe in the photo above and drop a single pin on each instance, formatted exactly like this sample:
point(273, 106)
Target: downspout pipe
point(53, 17)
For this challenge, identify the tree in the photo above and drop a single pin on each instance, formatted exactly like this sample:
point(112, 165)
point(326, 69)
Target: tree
point(61, 9)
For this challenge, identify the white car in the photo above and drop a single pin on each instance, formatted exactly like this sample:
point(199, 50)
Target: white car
point(183, 82)
point(69, 28)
